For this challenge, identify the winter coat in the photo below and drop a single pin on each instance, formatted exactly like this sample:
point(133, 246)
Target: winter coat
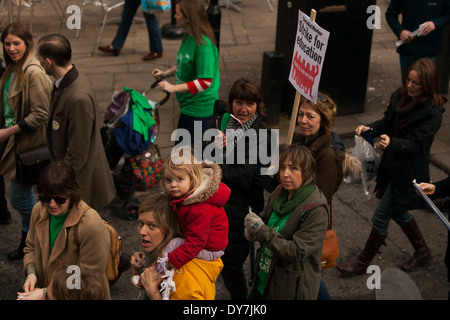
point(32, 100)
point(247, 189)
point(410, 149)
point(202, 218)
point(73, 134)
point(295, 271)
point(90, 251)
point(329, 164)
point(414, 13)
point(196, 280)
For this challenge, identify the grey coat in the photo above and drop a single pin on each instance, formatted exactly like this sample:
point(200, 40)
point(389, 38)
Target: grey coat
point(295, 271)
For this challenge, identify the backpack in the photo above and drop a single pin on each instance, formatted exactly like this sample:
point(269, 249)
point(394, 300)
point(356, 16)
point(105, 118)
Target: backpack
point(115, 250)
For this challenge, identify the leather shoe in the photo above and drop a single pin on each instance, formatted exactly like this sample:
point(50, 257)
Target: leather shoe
point(109, 49)
point(152, 55)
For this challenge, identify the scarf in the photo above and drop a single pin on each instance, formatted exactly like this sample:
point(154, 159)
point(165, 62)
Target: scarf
point(403, 111)
point(237, 132)
point(283, 206)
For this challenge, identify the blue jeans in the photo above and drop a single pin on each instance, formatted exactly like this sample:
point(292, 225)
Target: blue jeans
point(154, 33)
point(23, 200)
point(406, 60)
point(323, 292)
point(383, 214)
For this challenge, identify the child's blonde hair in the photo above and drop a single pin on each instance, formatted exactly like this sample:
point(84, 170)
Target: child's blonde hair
point(179, 160)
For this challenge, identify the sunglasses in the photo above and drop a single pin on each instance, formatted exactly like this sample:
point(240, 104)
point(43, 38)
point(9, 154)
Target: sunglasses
point(322, 97)
point(58, 200)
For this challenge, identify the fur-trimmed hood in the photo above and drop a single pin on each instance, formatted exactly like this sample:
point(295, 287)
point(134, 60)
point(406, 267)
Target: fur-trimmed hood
point(211, 190)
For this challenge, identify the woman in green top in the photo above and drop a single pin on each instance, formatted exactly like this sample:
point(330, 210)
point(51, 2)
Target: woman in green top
point(24, 102)
point(197, 79)
point(64, 232)
point(291, 230)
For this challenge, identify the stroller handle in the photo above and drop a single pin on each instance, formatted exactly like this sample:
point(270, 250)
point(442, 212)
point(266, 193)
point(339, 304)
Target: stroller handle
point(164, 100)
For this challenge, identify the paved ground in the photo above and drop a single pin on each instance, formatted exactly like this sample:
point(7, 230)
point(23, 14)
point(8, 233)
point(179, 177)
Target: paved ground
point(245, 36)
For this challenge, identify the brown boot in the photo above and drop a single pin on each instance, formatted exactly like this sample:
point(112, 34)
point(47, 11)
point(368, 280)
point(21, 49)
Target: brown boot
point(360, 263)
point(421, 252)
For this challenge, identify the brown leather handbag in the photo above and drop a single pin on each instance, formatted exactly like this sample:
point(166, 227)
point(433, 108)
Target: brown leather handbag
point(330, 249)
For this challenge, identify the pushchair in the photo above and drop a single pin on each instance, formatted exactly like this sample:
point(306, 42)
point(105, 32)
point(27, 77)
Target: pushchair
point(129, 131)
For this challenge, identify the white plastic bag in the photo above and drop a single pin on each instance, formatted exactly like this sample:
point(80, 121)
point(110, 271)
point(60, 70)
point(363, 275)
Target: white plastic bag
point(370, 161)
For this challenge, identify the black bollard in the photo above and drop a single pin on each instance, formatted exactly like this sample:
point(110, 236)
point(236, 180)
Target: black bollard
point(171, 30)
point(214, 17)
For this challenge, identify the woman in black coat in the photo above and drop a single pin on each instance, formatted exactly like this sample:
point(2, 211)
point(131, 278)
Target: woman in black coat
point(243, 176)
point(407, 130)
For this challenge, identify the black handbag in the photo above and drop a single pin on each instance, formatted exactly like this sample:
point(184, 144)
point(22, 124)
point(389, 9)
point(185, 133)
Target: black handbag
point(30, 163)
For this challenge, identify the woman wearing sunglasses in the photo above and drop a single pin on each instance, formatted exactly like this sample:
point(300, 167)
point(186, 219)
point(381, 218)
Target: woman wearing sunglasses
point(64, 231)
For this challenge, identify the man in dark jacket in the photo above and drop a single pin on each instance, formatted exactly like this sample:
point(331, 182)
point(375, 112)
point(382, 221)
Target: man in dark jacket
point(434, 15)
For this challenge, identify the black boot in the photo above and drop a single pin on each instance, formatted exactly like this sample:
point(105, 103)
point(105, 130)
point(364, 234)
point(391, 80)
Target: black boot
point(421, 252)
point(360, 263)
point(18, 253)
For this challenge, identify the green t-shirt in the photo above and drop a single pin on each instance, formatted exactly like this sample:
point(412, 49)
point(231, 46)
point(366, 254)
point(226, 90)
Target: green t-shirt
point(198, 62)
point(276, 223)
point(8, 113)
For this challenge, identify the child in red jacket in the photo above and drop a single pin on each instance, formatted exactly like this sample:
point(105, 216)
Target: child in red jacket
point(198, 199)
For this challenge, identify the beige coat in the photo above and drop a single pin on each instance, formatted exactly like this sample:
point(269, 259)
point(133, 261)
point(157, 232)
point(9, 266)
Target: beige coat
point(33, 101)
point(92, 251)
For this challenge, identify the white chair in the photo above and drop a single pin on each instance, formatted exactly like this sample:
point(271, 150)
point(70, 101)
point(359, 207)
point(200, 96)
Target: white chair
point(106, 6)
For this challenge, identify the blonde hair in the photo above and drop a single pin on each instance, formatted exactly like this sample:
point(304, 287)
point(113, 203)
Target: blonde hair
point(179, 160)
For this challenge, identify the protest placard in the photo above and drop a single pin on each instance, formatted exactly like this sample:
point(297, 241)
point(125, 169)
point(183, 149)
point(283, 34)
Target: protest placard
point(308, 57)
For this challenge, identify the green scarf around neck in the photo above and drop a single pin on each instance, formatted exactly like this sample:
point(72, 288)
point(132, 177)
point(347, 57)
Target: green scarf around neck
point(281, 204)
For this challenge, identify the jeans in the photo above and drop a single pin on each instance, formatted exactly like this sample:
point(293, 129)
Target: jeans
point(383, 214)
point(406, 60)
point(154, 33)
point(190, 123)
point(323, 292)
point(23, 200)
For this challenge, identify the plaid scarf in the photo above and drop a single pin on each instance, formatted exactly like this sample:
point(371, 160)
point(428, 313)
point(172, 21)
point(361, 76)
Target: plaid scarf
point(237, 131)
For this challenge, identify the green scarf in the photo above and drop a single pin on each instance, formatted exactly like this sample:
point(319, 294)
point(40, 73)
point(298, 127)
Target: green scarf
point(283, 206)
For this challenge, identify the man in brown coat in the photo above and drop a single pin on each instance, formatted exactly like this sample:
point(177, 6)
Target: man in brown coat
point(73, 130)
